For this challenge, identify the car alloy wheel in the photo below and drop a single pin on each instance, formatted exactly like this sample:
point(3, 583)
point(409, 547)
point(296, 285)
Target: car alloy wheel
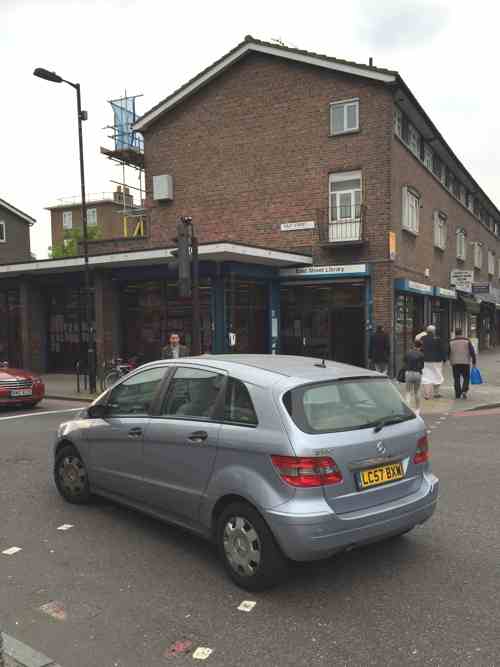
point(242, 546)
point(71, 476)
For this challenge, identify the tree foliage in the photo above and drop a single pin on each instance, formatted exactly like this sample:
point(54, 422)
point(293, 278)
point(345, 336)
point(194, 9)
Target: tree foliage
point(69, 247)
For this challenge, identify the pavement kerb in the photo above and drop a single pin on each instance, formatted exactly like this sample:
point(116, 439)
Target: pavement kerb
point(65, 397)
point(483, 406)
point(18, 654)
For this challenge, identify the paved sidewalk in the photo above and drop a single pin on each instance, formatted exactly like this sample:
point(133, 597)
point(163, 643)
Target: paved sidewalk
point(63, 386)
point(17, 654)
point(479, 395)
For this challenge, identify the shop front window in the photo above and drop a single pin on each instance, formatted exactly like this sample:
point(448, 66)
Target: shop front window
point(151, 310)
point(324, 321)
point(408, 322)
point(10, 328)
point(68, 333)
point(247, 315)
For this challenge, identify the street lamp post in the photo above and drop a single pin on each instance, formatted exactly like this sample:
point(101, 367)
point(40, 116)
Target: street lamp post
point(82, 115)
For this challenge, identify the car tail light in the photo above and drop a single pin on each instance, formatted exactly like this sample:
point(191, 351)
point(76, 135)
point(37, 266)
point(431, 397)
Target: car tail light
point(307, 471)
point(422, 453)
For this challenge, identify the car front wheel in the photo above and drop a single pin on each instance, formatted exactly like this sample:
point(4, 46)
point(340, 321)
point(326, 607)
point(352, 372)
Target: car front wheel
point(71, 477)
point(248, 549)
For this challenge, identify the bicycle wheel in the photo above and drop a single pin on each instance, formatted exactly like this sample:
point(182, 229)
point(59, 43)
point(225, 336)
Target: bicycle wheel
point(111, 378)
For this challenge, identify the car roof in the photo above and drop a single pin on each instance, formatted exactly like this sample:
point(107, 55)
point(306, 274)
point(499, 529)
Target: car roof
point(266, 369)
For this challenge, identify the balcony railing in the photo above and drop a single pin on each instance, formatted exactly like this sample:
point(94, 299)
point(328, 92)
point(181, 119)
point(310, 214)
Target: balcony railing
point(341, 225)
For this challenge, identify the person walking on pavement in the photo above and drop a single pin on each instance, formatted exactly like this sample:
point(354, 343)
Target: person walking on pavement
point(462, 354)
point(174, 350)
point(380, 350)
point(434, 356)
point(414, 365)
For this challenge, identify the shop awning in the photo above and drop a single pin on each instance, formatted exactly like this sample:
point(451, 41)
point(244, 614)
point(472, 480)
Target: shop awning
point(215, 252)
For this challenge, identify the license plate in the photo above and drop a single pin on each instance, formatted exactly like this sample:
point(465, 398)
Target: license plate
point(21, 392)
point(382, 475)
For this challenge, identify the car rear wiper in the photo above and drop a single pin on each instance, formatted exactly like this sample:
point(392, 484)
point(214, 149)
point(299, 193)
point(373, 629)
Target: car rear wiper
point(387, 421)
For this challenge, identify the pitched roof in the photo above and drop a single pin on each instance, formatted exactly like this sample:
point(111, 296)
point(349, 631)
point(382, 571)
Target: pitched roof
point(250, 44)
point(24, 216)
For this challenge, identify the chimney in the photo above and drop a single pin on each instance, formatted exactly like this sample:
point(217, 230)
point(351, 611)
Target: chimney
point(370, 62)
point(117, 195)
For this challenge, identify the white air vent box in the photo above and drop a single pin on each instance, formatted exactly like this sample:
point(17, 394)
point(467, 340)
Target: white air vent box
point(163, 187)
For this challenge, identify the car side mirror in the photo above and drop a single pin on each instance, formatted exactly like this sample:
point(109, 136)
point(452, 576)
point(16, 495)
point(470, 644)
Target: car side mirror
point(99, 411)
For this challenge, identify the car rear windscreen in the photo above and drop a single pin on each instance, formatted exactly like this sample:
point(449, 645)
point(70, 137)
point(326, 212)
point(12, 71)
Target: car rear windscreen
point(343, 405)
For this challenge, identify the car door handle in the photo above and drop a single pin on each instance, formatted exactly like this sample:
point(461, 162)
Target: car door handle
point(198, 437)
point(135, 432)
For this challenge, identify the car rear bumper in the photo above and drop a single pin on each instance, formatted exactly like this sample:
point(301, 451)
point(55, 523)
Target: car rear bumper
point(312, 537)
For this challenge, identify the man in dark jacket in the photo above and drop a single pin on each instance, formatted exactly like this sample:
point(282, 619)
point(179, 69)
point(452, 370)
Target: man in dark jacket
point(462, 353)
point(380, 350)
point(174, 350)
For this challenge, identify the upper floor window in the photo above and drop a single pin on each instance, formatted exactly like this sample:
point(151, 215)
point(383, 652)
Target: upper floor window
point(491, 262)
point(398, 122)
point(437, 166)
point(345, 196)
point(440, 230)
point(499, 267)
point(344, 116)
point(478, 255)
point(462, 194)
point(67, 219)
point(411, 210)
point(3, 237)
point(428, 156)
point(92, 216)
point(414, 140)
point(461, 245)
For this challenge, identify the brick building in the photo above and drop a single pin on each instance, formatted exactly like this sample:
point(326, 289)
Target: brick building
point(107, 212)
point(14, 247)
point(325, 201)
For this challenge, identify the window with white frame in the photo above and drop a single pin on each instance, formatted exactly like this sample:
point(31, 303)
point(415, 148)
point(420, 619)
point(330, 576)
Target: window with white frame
point(491, 263)
point(499, 267)
point(428, 156)
point(461, 245)
point(478, 255)
point(67, 219)
point(462, 194)
point(411, 210)
point(345, 207)
point(344, 116)
point(414, 140)
point(440, 230)
point(345, 196)
point(3, 237)
point(398, 122)
point(92, 216)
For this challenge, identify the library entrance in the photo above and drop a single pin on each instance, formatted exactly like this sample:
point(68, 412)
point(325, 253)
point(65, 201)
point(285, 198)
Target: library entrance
point(324, 320)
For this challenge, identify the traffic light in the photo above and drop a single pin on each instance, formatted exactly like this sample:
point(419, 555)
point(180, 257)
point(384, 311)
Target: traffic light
point(184, 232)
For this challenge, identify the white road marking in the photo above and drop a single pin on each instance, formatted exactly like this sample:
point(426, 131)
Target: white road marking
point(247, 605)
point(202, 653)
point(11, 551)
point(65, 526)
point(40, 414)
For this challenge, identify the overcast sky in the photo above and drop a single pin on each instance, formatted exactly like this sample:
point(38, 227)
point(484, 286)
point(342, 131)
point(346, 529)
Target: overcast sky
point(447, 52)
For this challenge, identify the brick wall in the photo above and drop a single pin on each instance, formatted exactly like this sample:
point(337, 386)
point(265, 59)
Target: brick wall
point(252, 150)
point(416, 253)
point(17, 245)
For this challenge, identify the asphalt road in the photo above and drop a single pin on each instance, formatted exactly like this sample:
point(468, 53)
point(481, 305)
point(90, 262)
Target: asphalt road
point(130, 587)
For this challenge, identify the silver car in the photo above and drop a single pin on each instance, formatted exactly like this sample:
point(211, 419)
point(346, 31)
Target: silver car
point(274, 458)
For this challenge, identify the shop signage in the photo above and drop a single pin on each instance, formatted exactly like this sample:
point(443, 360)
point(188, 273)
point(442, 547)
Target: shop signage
point(480, 288)
point(418, 287)
point(331, 270)
point(445, 293)
point(462, 280)
point(297, 226)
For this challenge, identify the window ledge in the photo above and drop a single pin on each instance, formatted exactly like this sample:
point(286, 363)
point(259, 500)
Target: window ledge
point(409, 231)
point(440, 248)
point(341, 134)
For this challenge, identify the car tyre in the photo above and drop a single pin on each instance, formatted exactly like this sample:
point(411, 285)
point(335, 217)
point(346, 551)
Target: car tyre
point(70, 475)
point(248, 549)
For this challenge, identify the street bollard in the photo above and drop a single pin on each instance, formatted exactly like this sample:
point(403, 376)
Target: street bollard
point(77, 367)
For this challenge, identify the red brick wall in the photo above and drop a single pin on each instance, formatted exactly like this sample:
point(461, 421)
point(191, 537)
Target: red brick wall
point(252, 150)
point(416, 253)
